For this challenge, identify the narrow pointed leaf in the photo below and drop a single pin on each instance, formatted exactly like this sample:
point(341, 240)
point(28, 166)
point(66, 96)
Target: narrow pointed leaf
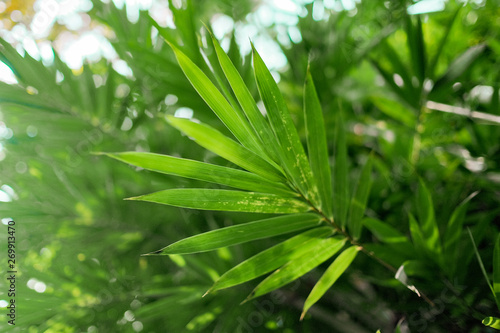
point(272, 258)
point(442, 42)
point(242, 233)
point(480, 262)
point(336, 269)
point(231, 117)
point(427, 219)
point(202, 171)
point(453, 233)
point(317, 146)
point(296, 164)
point(416, 236)
point(496, 271)
point(244, 97)
point(359, 200)
point(387, 234)
point(226, 200)
point(459, 66)
point(298, 267)
point(223, 146)
point(340, 181)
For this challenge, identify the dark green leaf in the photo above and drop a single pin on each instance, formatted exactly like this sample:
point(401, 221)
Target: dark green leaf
point(359, 200)
point(340, 178)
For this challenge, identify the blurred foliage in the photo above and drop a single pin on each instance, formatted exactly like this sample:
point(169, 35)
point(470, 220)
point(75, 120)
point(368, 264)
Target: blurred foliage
point(389, 74)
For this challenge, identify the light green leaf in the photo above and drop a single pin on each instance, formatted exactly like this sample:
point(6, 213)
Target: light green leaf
point(226, 200)
point(395, 110)
point(359, 200)
point(336, 269)
point(232, 118)
point(298, 267)
point(244, 97)
point(317, 146)
point(202, 171)
point(272, 258)
point(493, 322)
point(383, 231)
point(427, 219)
point(242, 233)
point(496, 271)
point(340, 181)
point(223, 146)
point(295, 160)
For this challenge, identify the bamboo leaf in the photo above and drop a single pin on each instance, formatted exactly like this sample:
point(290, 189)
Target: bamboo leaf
point(242, 233)
point(245, 99)
point(317, 146)
point(452, 235)
point(298, 267)
point(493, 322)
point(272, 258)
point(234, 120)
point(295, 160)
point(427, 219)
point(340, 180)
point(459, 66)
point(416, 235)
point(433, 63)
point(359, 200)
point(223, 146)
point(202, 171)
point(336, 269)
point(226, 200)
point(480, 262)
point(383, 231)
point(496, 271)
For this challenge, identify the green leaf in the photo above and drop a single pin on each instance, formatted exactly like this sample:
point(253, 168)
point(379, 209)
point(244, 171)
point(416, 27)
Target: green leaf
point(442, 42)
point(244, 97)
point(336, 269)
point(383, 231)
point(295, 160)
point(493, 322)
point(223, 146)
point(340, 178)
point(417, 236)
point(452, 235)
point(317, 146)
point(298, 267)
point(496, 271)
point(202, 171)
point(231, 117)
point(459, 66)
point(272, 258)
point(395, 110)
point(427, 219)
point(242, 233)
point(417, 47)
point(359, 200)
point(226, 200)
point(480, 261)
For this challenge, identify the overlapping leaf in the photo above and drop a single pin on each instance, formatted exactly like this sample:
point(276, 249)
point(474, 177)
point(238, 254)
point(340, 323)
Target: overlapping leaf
point(226, 200)
point(242, 233)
